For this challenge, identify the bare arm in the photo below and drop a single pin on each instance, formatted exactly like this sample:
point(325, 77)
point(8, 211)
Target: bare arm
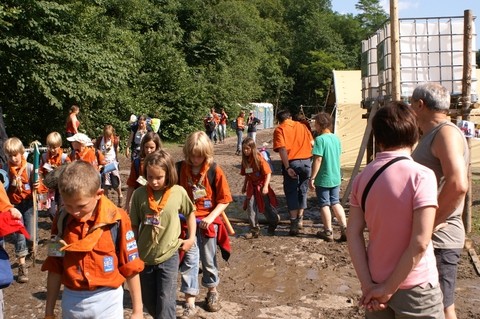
point(133, 283)
point(282, 151)
point(129, 144)
point(448, 148)
point(53, 289)
point(266, 183)
point(192, 231)
point(205, 223)
point(357, 247)
point(317, 162)
point(127, 199)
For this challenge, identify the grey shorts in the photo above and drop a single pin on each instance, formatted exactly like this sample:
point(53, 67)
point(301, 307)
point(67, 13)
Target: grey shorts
point(417, 302)
point(447, 265)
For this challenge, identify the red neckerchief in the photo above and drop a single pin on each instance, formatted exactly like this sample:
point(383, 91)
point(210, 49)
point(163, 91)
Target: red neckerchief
point(157, 207)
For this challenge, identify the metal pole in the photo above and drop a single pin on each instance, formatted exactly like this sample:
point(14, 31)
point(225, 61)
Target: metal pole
point(395, 44)
point(466, 103)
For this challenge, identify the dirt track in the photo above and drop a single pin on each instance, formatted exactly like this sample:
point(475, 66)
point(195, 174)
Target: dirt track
point(269, 277)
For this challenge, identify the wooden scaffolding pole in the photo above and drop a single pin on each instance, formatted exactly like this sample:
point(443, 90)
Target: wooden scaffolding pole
point(395, 44)
point(466, 103)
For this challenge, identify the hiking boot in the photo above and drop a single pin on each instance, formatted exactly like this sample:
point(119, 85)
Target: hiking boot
point(188, 311)
point(22, 273)
point(300, 222)
point(254, 233)
point(343, 234)
point(294, 227)
point(326, 235)
point(213, 305)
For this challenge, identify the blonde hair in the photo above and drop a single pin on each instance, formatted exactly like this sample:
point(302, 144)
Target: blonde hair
point(108, 130)
point(54, 139)
point(198, 143)
point(163, 160)
point(13, 146)
point(79, 178)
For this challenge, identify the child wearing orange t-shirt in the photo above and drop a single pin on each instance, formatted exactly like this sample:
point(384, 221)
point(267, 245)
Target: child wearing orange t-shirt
point(260, 196)
point(93, 251)
point(150, 143)
point(49, 161)
point(83, 150)
point(211, 195)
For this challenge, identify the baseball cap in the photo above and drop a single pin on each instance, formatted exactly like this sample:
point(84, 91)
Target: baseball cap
point(9, 225)
point(80, 138)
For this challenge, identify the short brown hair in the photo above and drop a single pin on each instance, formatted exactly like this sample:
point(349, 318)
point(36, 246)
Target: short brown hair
point(79, 178)
point(164, 160)
point(395, 125)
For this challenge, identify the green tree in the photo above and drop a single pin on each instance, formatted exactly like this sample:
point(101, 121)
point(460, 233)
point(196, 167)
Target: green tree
point(372, 16)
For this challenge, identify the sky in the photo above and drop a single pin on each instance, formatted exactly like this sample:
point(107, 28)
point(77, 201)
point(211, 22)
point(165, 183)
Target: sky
point(421, 9)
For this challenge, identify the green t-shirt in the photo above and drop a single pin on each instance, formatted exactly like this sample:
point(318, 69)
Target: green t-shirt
point(153, 253)
point(329, 148)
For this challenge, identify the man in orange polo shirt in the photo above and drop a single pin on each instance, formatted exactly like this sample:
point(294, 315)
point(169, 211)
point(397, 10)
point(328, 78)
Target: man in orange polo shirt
point(293, 141)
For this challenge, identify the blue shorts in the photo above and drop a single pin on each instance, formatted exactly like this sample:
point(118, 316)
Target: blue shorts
point(328, 196)
point(447, 265)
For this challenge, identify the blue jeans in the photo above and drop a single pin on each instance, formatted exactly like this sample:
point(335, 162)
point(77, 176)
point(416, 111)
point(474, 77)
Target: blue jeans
point(296, 189)
point(222, 131)
point(159, 288)
point(328, 196)
point(252, 135)
point(189, 271)
point(207, 249)
point(21, 248)
point(239, 140)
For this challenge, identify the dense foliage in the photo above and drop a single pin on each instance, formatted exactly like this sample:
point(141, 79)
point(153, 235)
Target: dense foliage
point(172, 59)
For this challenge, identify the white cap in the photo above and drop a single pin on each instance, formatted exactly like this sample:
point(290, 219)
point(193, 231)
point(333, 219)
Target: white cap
point(80, 138)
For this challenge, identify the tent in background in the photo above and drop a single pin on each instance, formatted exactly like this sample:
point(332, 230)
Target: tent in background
point(350, 126)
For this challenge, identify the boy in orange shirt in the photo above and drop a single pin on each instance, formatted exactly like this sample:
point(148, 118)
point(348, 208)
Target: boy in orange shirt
point(93, 251)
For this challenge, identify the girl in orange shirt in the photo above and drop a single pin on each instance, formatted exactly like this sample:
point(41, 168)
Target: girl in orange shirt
point(260, 196)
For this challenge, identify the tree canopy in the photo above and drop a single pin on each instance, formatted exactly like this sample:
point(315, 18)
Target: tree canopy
point(170, 59)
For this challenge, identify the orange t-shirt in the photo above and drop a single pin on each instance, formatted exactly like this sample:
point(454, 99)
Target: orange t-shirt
point(295, 138)
point(4, 201)
point(89, 155)
point(240, 123)
point(102, 266)
point(207, 203)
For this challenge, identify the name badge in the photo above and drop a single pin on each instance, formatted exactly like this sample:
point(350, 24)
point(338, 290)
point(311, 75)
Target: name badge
point(249, 170)
point(141, 180)
point(151, 220)
point(207, 203)
point(199, 193)
point(54, 249)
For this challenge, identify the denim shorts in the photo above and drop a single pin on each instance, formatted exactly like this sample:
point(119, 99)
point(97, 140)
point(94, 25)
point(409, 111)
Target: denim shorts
point(328, 196)
point(447, 265)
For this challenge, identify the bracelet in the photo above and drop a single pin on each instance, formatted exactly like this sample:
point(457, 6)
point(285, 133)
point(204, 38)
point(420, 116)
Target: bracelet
point(286, 169)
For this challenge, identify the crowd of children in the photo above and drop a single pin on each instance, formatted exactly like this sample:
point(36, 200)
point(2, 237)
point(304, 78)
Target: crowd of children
point(171, 222)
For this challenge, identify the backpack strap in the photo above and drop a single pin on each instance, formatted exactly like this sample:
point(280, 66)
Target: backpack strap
point(375, 176)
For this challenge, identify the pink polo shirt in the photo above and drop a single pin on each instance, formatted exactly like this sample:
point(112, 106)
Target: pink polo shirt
point(397, 192)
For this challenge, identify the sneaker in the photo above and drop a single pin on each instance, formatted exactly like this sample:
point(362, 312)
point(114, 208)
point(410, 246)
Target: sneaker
point(294, 231)
point(188, 311)
point(343, 236)
point(213, 305)
point(22, 273)
point(326, 235)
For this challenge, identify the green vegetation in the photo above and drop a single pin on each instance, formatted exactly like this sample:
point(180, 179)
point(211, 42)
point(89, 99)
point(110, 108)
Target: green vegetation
point(170, 59)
